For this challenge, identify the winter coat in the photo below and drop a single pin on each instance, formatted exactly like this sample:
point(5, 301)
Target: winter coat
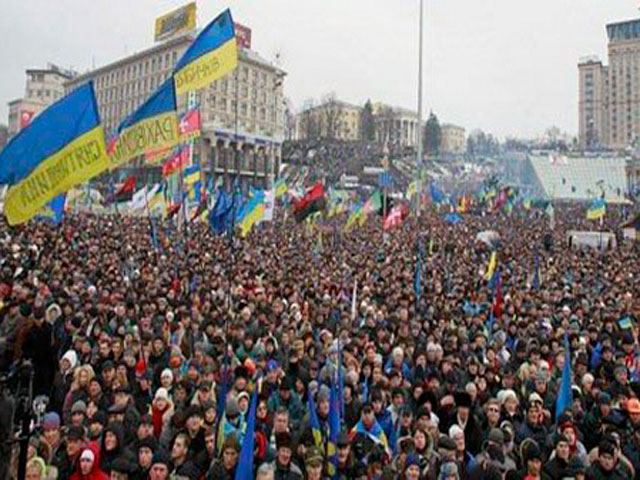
point(96, 472)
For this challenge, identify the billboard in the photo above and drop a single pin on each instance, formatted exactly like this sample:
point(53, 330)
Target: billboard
point(180, 20)
point(243, 35)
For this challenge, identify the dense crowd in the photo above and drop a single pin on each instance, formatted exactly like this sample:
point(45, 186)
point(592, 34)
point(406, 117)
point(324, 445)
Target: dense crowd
point(133, 346)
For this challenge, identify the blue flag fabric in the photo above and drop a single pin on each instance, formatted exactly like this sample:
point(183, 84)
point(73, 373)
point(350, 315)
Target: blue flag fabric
point(245, 461)
point(54, 210)
point(56, 127)
point(565, 395)
point(437, 195)
point(453, 218)
point(163, 100)
point(219, 215)
point(417, 280)
point(314, 422)
point(334, 430)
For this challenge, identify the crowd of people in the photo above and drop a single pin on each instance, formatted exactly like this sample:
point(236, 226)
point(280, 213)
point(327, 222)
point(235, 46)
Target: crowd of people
point(150, 357)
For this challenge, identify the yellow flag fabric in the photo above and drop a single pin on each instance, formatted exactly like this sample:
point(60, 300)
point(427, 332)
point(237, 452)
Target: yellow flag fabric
point(251, 219)
point(81, 159)
point(491, 268)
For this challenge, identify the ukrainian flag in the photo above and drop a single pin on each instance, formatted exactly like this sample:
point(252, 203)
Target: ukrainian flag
point(314, 422)
point(212, 55)
point(356, 216)
point(597, 209)
point(152, 127)
point(491, 268)
point(63, 147)
point(192, 175)
point(251, 213)
point(280, 187)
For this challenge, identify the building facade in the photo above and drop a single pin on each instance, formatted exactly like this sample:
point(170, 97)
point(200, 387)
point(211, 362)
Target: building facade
point(395, 126)
point(332, 119)
point(453, 140)
point(242, 113)
point(43, 87)
point(609, 96)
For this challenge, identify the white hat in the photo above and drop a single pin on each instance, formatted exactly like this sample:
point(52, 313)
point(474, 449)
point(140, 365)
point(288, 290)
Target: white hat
point(167, 373)
point(72, 357)
point(87, 454)
point(454, 431)
point(162, 394)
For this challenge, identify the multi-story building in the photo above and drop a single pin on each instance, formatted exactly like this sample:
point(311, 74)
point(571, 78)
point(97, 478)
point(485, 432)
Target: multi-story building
point(609, 96)
point(43, 87)
point(242, 113)
point(333, 119)
point(395, 126)
point(453, 140)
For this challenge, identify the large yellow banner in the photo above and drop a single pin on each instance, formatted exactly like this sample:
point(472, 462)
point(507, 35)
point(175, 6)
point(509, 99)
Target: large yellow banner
point(208, 68)
point(151, 134)
point(83, 158)
point(177, 21)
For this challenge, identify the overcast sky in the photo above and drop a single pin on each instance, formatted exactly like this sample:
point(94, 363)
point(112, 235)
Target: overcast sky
point(506, 66)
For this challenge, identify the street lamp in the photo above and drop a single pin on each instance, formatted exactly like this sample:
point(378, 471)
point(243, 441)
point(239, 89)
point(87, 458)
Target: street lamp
point(419, 149)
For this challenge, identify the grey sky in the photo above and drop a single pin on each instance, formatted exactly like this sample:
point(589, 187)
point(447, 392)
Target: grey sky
point(506, 66)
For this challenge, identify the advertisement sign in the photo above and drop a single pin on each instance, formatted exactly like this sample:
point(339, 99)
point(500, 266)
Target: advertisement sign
point(243, 35)
point(178, 21)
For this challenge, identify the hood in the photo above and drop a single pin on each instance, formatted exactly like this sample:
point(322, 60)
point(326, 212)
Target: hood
point(95, 449)
point(118, 430)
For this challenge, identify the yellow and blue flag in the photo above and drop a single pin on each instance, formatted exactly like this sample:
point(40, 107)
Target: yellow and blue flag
point(334, 428)
point(152, 127)
point(245, 460)
point(314, 422)
point(491, 267)
point(192, 175)
point(62, 147)
point(54, 210)
point(280, 187)
point(213, 54)
point(251, 213)
point(597, 209)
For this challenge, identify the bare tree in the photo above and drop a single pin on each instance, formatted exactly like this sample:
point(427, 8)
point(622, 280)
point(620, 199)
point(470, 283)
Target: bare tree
point(333, 112)
point(387, 125)
point(309, 127)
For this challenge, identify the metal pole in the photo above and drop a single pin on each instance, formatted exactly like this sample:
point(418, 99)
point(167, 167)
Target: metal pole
point(419, 149)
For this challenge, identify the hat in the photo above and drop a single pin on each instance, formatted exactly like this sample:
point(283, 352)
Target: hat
point(604, 398)
point(193, 411)
point(244, 395)
point(313, 457)
point(51, 421)
point(535, 397)
point(448, 469)
point(496, 436)
point(75, 433)
point(446, 443)
point(323, 394)
point(116, 409)
point(455, 431)
point(161, 457)
point(122, 465)
point(343, 440)
point(285, 384)
point(561, 438)
point(167, 373)
point(79, 407)
point(532, 452)
point(161, 394)
point(231, 408)
point(272, 365)
point(463, 399)
point(87, 454)
point(283, 440)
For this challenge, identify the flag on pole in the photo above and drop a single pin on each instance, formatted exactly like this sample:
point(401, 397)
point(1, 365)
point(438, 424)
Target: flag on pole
point(152, 127)
point(437, 195)
point(334, 428)
point(597, 209)
point(397, 214)
point(245, 460)
point(212, 55)
point(189, 126)
point(354, 301)
point(62, 147)
point(491, 267)
point(316, 431)
point(565, 395)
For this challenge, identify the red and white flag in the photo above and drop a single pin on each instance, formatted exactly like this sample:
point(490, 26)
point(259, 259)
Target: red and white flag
point(190, 125)
point(396, 216)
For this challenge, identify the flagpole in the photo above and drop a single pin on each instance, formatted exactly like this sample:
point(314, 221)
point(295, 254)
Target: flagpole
point(419, 149)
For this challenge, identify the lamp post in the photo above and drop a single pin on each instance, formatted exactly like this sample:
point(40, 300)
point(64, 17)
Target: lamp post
point(419, 143)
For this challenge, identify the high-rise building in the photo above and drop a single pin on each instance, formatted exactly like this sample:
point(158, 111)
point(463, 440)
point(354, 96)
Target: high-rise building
point(242, 113)
point(609, 96)
point(43, 87)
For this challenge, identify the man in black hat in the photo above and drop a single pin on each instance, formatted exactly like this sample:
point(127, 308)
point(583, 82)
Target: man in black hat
point(284, 397)
point(284, 468)
point(532, 463)
point(146, 449)
point(160, 466)
point(193, 424)
point(70, 451)
point(608, 465)
point(466, 421)
point(348, 467)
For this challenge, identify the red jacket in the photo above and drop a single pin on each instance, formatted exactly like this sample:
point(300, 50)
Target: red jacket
point(96, 473)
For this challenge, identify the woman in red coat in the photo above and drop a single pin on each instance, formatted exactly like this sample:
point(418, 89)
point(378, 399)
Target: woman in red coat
point(89, 464)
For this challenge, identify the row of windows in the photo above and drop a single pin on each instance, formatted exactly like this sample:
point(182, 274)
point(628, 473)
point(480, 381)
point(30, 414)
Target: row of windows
point(141, 87)
point(134, 71)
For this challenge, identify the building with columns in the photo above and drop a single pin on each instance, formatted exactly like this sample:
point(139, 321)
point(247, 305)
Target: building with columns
point(395, 126)
point(242, 113)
